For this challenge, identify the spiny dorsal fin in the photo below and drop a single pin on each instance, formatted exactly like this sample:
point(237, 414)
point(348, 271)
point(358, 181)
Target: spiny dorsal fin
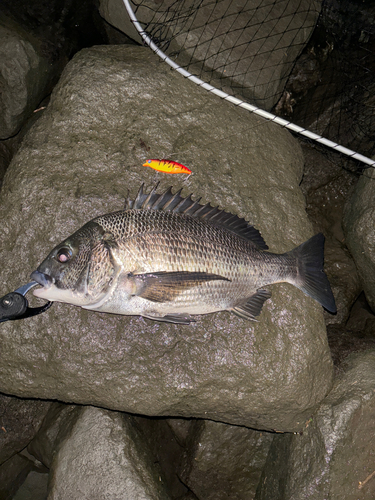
point(168, 201)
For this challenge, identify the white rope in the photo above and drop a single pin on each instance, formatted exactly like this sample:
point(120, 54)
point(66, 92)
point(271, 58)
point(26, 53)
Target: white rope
point(242, 104)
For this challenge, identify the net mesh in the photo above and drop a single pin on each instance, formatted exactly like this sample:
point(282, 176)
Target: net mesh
point(309, 62)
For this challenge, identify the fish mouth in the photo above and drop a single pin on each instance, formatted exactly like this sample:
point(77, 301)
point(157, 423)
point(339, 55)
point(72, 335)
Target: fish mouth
point(43, 279)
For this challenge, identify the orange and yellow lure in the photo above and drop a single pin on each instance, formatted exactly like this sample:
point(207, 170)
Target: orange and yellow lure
point(167, 166)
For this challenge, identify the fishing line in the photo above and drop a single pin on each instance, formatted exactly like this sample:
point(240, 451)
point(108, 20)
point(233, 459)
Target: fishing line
point(242, 104)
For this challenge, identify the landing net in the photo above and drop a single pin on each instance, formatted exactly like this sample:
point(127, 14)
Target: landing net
point(305, 65)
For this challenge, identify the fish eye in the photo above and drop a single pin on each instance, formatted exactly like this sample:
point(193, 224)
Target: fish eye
point(64, 255)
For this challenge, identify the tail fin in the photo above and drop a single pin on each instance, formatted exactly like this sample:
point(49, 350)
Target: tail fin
point(312, 279)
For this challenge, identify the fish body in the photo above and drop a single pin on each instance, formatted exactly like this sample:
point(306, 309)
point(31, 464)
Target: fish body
point(167, 166)
point(169, 258)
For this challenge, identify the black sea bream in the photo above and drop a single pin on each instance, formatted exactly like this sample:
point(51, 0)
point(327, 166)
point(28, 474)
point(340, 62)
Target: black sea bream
point(168, 258)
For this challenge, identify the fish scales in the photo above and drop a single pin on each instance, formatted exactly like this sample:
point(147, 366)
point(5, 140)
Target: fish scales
point(164, 241)
point(168, 244)
point(168, 258)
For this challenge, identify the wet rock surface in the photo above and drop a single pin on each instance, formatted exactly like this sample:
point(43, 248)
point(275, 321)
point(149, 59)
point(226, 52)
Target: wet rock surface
point(35, 44)
point(20, 420)
point(55, 427)
point(224, 461)
point(358, 224)
point(25, 75)
point(13, 473)
point(82, 154)
point(104, 457)
point(326, 186)
point(166, 440)
point(36, 41)
point(34, 487)
point(358, 333)
point(258, 70)
point(333, 457)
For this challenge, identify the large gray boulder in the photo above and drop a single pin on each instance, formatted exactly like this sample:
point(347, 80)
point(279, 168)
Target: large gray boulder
point(101, 457)
point(224, 461)
point(249, 46)
point(358, 223)
point(334, 456)
point(56, 426)
point(24, 76)
point(211, 460)
point(113, 108)
point(20, 420)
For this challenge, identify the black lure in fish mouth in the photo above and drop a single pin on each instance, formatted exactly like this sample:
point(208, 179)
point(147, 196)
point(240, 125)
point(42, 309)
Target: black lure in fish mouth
point(43, 279)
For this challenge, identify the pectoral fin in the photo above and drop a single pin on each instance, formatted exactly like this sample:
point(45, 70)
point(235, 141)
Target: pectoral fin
point(253, 306)
point(165, 286)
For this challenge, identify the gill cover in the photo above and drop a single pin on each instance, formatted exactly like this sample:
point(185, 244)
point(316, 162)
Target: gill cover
point(80, 269)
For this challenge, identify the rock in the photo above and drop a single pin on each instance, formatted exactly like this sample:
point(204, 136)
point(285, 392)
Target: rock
point(20, 420)
point(181, 428)
point(248, 46)
point(13, 473)
point(103, 456)
point(166, 449)
point(188, 496)
point(362, 318)
point(34, 487)
point(357, 334)
point(9, 147)
point(116, 15)
point(6, 154)
point(24, 79)
point(325, 92)
point(343, 341)
point(113, 108)
point(57, 423)
point(359, 232)
point(224, 461)
point(36, 41)
point(207, 459)
point(326, 187)
point(334, 456)
point(344, 279)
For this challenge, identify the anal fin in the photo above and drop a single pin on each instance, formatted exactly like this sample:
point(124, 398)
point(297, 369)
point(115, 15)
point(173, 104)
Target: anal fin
point(253, 306)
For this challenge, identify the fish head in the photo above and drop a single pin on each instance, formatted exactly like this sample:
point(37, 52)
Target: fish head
point(80, 270)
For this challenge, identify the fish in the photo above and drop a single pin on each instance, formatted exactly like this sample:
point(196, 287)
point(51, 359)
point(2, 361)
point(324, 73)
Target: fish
point(167, 166)
point(168, 258)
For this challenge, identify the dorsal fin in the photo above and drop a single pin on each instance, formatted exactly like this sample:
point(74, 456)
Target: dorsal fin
point(168, 201)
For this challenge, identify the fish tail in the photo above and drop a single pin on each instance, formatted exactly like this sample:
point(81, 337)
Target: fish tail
point(311, 278)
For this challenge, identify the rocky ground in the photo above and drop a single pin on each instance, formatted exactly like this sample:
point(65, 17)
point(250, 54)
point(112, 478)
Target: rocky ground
point(98, 406)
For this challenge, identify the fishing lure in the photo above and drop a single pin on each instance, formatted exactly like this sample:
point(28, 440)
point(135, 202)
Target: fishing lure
point(167, 166)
